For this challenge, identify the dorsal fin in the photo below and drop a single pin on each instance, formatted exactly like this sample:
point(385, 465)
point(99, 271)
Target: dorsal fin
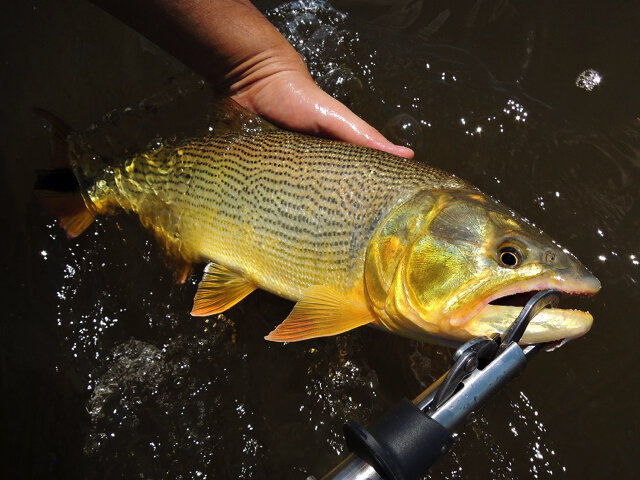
point(321, 312)
point(219, 289)
point(230, 116)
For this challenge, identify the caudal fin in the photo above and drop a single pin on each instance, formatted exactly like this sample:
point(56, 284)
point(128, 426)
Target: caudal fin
point(58, 188)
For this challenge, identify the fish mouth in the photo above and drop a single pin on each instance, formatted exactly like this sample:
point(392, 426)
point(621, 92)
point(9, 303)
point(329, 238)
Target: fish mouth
point(499, 311)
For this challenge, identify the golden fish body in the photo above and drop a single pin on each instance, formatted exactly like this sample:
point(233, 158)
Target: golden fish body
point(286, 210)
point(354, 235)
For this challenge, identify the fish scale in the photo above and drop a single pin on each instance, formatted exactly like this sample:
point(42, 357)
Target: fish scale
point(355, 236)
point(286, 210)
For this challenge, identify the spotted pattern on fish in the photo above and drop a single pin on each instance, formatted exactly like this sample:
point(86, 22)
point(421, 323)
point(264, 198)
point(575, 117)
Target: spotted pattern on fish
point(286, 210)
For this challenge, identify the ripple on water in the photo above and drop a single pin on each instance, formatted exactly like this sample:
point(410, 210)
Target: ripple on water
point(168, 399)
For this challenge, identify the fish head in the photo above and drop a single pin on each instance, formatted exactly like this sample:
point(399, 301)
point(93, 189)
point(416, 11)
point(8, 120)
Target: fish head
point(458, 264)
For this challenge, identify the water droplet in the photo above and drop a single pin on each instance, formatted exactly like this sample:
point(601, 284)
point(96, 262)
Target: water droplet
point(588, 80)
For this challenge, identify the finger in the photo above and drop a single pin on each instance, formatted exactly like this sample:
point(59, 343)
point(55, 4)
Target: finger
point(335, 120)
point(299, 104)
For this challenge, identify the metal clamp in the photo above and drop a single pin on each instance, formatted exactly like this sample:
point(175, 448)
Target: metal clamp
point(404, 443)
point(540, 301)
point(466, 359)
point(480, 351)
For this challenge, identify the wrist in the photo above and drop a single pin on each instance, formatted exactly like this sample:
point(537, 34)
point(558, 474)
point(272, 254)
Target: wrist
point(265, 65)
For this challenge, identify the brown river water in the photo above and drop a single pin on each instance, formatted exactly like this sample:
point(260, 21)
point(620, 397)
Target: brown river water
point(104, 373)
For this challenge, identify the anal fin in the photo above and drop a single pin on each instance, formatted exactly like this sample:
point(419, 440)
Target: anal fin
point(219, 290)
point(321, 312)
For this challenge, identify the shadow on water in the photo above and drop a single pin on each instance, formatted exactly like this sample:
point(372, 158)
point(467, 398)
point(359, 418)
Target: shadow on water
point(105, 375)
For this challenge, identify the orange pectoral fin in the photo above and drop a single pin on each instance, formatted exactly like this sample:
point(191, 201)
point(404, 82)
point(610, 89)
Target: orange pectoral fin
point(321, 312)
point(219, 290)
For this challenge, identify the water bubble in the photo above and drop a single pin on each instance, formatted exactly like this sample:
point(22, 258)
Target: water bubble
point(403, 129)
point(341, 82)
point(588, 80)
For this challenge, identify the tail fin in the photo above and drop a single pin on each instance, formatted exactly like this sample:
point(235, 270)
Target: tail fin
point(58, 188)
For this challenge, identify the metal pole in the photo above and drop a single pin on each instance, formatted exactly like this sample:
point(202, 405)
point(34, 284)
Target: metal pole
point(352, 468)
point(447, 403)
point(476, 389)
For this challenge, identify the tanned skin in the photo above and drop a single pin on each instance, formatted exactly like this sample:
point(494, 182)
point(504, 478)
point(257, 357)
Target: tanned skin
point(234, 46)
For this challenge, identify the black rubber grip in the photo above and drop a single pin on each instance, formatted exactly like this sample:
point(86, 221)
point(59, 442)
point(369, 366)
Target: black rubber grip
point(402, 445)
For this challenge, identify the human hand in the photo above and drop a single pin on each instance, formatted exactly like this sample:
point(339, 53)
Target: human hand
point(280, 89)
point(235, 47)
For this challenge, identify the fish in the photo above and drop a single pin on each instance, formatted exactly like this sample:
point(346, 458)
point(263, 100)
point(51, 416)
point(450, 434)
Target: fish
point(354, 236)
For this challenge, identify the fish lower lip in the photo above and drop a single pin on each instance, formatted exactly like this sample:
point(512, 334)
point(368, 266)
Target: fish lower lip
point(551, 324)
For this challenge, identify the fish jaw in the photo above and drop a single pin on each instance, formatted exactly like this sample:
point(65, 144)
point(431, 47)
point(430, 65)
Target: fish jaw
point(551, 324)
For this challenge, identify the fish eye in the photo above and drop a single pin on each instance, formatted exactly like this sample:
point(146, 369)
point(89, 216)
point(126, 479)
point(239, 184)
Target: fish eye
point(509, 257)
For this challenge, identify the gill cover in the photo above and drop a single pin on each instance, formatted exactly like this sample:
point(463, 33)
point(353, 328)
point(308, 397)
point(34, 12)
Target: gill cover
point(386, 260)
point(438, 260)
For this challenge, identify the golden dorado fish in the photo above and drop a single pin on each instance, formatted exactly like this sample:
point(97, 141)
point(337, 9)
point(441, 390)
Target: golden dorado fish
point(355, 236)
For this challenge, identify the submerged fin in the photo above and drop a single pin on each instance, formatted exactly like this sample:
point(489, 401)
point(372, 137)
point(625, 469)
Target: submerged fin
point(174, 259)
point(70, 209)
point(219, 289)
point(182, 271)
point(58, 188)
point(321, 312)
point(60, 194)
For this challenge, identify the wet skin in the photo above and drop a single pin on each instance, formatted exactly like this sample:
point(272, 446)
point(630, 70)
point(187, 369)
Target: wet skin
point(260, 70)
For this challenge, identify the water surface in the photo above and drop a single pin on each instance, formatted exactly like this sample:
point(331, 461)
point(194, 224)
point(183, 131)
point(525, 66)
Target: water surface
point(105, 375)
